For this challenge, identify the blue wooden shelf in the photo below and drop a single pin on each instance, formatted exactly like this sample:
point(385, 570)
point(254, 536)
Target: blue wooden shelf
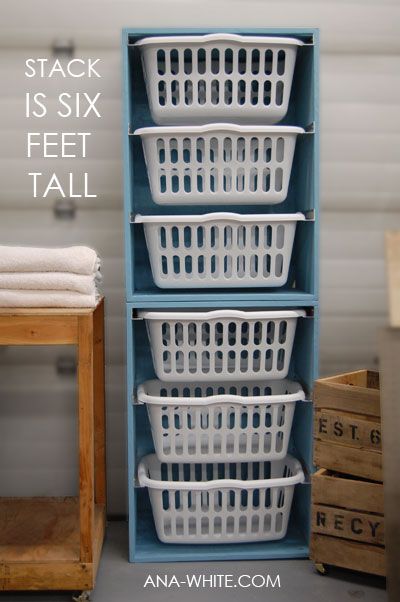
point(231, 298)
point(301, 291)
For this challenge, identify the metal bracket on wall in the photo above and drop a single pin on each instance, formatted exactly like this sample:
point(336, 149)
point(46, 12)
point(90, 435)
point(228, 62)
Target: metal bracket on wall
point(66, 366)
point(64, 209)
point(63, 48)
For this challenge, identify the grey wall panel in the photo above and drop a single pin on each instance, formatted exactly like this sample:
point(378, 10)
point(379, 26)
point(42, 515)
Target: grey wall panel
point(38, 428)
point(355, 26)
point(360, 152)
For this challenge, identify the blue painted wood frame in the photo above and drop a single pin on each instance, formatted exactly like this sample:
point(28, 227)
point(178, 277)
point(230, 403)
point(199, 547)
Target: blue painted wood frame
point(141, 293)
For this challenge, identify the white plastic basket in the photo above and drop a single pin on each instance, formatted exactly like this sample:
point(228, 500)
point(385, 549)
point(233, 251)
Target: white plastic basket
point(202, 422)
point(195, 79)
point(219, 163)
point(221, 345)
point(220, 503)
point(220, 250)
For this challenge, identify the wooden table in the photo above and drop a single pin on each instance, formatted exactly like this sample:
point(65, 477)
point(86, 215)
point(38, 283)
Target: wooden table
point(55, 543)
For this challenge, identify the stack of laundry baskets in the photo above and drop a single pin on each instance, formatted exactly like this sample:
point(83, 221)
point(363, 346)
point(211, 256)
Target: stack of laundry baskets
point(222, 406)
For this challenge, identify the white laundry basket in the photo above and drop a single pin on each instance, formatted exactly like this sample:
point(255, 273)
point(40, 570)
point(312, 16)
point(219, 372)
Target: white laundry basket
point(221, 345)
point(203, 422)
point(219, 163)
point(220, 250)
point(220, 503)
point(196, 79)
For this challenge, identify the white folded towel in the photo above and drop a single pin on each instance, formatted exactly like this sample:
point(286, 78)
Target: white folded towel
point(53, 281)
point(21, 298)
point(76, 260)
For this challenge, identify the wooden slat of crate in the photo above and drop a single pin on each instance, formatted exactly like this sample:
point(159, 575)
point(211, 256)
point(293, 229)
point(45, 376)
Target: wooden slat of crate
point(347, 539)
point(348, 524)
point(348, 428)
point(357, 392)
point(348, 460)
point(348, 554)
point(346, 492)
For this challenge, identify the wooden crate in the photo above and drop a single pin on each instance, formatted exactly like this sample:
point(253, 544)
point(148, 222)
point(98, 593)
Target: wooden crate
point(356, 392)
point(347, 523)
point(347, 425)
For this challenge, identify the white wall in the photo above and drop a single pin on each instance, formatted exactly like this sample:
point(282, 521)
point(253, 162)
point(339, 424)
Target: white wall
point(360, 130)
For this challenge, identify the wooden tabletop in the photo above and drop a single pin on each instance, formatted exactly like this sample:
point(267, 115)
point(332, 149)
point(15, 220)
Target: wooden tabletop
point(51, 311)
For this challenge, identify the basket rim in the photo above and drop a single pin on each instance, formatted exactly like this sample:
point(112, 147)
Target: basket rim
point(219, 37)
point(184, 316)
point(224, 398)
point(218, 127)
point(219, 216)
point(146, 481)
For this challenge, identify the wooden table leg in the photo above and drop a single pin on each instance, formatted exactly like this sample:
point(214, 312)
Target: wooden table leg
point(86, 436)
point(99, 406)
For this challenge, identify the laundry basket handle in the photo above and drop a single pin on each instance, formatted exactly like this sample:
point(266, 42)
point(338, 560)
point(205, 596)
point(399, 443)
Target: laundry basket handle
point(220, 398)
point(146, 481)
point(222, 313)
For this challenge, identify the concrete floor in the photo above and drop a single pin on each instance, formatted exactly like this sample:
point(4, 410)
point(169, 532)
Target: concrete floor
point(119, 581)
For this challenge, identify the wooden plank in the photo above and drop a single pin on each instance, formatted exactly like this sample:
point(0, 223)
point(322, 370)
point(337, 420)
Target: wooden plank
point(63, 576)
point(390, 399)
point(99, 534)
point(392, 243)
point(99, 405)
point(46, 311)
point(373, 380)
point(48, 575)
point(334, 490)
point(348, 524)
point(39, 530)
point(347, 554)
point(38, 330)
point(347, 428)
point(357, 392)
point(348, 460)
point(357, 378)
point(86, 436)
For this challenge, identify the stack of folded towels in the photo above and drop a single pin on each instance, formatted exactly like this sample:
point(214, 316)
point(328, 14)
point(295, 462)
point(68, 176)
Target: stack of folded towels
point(39, 277)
